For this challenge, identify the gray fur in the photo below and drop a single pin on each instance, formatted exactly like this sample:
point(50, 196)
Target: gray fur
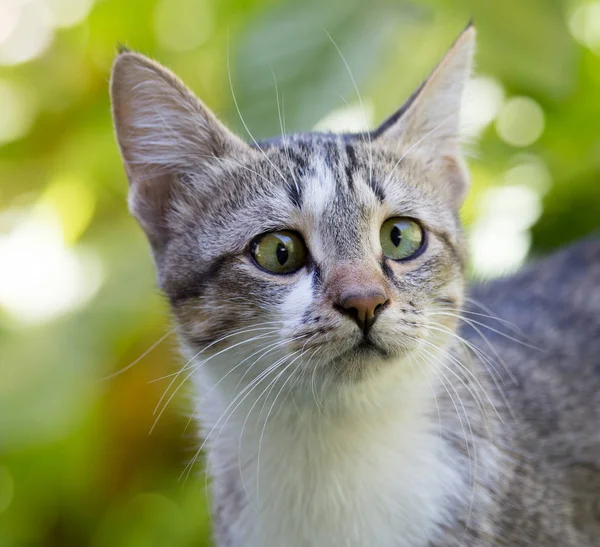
point(514, 370)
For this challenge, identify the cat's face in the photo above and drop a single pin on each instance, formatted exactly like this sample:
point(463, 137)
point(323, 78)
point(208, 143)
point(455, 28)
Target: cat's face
point(326, 253)
point(342, 294)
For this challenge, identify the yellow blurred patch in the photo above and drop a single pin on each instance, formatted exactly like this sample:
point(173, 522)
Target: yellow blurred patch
point(75, 202)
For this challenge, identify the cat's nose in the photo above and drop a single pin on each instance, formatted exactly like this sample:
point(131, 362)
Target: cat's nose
point(363, 307)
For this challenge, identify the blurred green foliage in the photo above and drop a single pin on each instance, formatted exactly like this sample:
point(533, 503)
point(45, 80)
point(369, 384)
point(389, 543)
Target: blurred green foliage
point(77, 463)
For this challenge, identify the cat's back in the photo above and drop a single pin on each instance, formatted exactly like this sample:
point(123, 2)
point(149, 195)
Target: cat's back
point(548, 346)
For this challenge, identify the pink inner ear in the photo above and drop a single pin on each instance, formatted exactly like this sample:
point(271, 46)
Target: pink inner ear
point(149, 202)
point(457, 178)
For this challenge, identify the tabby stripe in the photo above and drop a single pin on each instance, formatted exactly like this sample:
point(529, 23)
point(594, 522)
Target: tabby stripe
point(351, 165)
point(446, 239)
point(179, 293)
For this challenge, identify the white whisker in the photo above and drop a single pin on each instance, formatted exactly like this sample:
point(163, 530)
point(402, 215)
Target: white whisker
point(244, 122)
point(362, 106)
point(193, 370)
point(138, 359)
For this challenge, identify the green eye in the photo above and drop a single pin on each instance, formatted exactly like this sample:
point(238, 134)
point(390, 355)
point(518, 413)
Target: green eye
point(401, 238)
point(279, 252)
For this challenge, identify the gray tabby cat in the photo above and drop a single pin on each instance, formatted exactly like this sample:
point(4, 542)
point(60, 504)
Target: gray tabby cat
point(348, 390)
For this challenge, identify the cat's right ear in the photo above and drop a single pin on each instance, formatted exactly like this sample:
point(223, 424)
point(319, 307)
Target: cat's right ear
point(165, 134)
point(428, 123)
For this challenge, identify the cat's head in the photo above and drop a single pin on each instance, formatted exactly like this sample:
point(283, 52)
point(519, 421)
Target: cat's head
point(319, 252)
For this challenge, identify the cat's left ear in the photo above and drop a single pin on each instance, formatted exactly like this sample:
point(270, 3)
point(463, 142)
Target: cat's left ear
point(165, 134)
point(428, 123)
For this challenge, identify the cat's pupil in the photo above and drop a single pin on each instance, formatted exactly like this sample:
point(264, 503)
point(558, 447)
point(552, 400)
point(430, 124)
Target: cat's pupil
point(282, 253)
point(396, 236)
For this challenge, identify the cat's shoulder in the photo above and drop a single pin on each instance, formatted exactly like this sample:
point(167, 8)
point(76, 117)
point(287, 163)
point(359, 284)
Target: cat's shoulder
point(542, 329)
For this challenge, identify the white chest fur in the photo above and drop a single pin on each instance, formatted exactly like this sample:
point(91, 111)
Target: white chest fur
point(378, 477)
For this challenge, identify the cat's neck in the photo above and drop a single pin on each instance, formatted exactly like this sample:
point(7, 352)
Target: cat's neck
point(372, 468)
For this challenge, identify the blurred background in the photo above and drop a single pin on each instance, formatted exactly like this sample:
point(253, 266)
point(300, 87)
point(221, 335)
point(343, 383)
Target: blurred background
point(83, 458)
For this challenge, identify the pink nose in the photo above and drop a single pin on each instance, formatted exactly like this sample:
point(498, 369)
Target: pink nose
point(363, 307)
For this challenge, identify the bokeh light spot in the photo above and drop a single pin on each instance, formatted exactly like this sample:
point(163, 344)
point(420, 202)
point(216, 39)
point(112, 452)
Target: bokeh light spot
point(518, 207)
point(530, 171)
point(41, 278)
point(17, 111)
point(500, 237)
point(520, 122)
point(348, 119)
point(181, 25)
point(29, 31)
point(9, 16)
point(74, 201)
point(67, 13)
point(481, 103)
point(584, 25)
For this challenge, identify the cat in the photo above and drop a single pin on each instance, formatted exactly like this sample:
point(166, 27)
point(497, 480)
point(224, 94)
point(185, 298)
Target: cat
point(349, 392)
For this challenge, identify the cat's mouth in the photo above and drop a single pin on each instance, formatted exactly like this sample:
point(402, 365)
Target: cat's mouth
point(365, 344)
point(367, 347)
point(360, 358)
point(360, 351)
